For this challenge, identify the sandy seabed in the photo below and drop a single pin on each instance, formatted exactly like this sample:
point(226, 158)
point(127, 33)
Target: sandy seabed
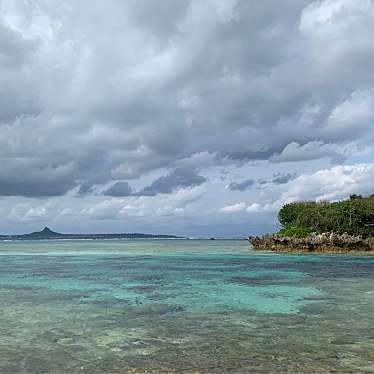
point(182, 306)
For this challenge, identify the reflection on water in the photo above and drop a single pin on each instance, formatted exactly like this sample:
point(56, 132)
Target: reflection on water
point(177, 305)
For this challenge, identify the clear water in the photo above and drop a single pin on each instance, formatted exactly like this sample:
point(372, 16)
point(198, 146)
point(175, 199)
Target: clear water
point(177, 305)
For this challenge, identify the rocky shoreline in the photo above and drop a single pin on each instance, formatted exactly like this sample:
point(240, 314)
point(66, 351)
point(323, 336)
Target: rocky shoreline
point(326, 243)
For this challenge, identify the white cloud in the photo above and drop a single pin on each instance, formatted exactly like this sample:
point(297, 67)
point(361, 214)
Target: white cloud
point(356, 112)
point(332, 184)
point(25, 212)
point(332, 17)
point(309, 151)
point(253, 208)
point(235, 208)
point(144, 206)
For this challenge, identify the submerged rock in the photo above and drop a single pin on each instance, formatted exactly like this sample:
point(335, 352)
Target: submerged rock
point(325, 242)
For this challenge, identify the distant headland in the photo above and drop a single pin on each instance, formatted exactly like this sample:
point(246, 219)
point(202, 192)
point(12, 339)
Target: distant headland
point(343, 226)
point(47, 233)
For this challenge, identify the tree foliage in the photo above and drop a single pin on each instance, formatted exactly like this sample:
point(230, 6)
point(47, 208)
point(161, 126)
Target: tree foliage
point(353, 216)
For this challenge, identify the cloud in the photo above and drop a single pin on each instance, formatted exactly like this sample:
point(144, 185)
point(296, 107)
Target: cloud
point(309, 151)
point(241, 186)
point(191, 87)
point(235, 208)
point(257, 208)
point(279, 178)
point(27, 177)
point(85, 189)
point(254, 208)
point(143, 206)
point(25, 212)
point(119, 189)
point(355, 113)
point(127, 117)
point(332, 184)
point(178, 178)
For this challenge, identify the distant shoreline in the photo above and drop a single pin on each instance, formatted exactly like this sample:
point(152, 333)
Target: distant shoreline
point(48, 234)
point(89, 239)
point(119, 238)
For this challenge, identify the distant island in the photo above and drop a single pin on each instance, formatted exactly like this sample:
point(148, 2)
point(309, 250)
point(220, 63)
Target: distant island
point(47, 233)
point(342, 226)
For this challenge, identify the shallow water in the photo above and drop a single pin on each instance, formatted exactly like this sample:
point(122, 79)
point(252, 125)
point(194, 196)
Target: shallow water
point(182, 305)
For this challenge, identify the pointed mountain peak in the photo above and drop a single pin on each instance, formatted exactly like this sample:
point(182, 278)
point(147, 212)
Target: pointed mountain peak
point(45, 233)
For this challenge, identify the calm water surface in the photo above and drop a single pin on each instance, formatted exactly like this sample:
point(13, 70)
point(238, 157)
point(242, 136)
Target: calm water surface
point(178, 305)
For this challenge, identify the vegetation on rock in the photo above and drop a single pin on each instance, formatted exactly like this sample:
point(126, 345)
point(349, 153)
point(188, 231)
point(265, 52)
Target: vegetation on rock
point(342, 226)
point(354, 216)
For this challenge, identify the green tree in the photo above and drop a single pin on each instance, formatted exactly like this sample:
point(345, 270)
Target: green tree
point(354, 216)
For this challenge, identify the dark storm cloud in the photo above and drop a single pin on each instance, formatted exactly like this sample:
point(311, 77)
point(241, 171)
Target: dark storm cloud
point(16, 92)
point(85, 189)
point(241, 186)
point(119, 89)
point(309, 151)
point(28, 179)
point(119, 189)
point(178, 178)
point(15, 50)
point(279, 178)
point(32, 188)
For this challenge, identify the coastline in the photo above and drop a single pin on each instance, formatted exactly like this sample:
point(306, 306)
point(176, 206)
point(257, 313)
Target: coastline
point(48, 234)
point(314, 243)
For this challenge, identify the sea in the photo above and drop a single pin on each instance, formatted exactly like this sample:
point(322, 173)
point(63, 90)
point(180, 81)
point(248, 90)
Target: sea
point(185, 306)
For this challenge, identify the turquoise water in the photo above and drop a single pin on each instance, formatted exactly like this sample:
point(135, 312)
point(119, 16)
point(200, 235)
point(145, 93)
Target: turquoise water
point(182, 305)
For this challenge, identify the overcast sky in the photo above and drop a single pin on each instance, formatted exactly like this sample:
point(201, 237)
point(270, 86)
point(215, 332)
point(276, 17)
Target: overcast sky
point(198, 118)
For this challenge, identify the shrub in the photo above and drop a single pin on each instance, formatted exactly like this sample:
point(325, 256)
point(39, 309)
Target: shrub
point(354, 216)
point(295, 232)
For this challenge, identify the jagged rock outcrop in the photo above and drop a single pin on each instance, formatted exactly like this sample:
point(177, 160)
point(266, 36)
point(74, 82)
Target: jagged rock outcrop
point(325, 242)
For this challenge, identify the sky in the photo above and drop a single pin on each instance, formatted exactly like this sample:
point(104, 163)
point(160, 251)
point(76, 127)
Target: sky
point(187, 117)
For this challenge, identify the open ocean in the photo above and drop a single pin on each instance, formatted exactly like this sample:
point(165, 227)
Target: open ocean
point(182, 305)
